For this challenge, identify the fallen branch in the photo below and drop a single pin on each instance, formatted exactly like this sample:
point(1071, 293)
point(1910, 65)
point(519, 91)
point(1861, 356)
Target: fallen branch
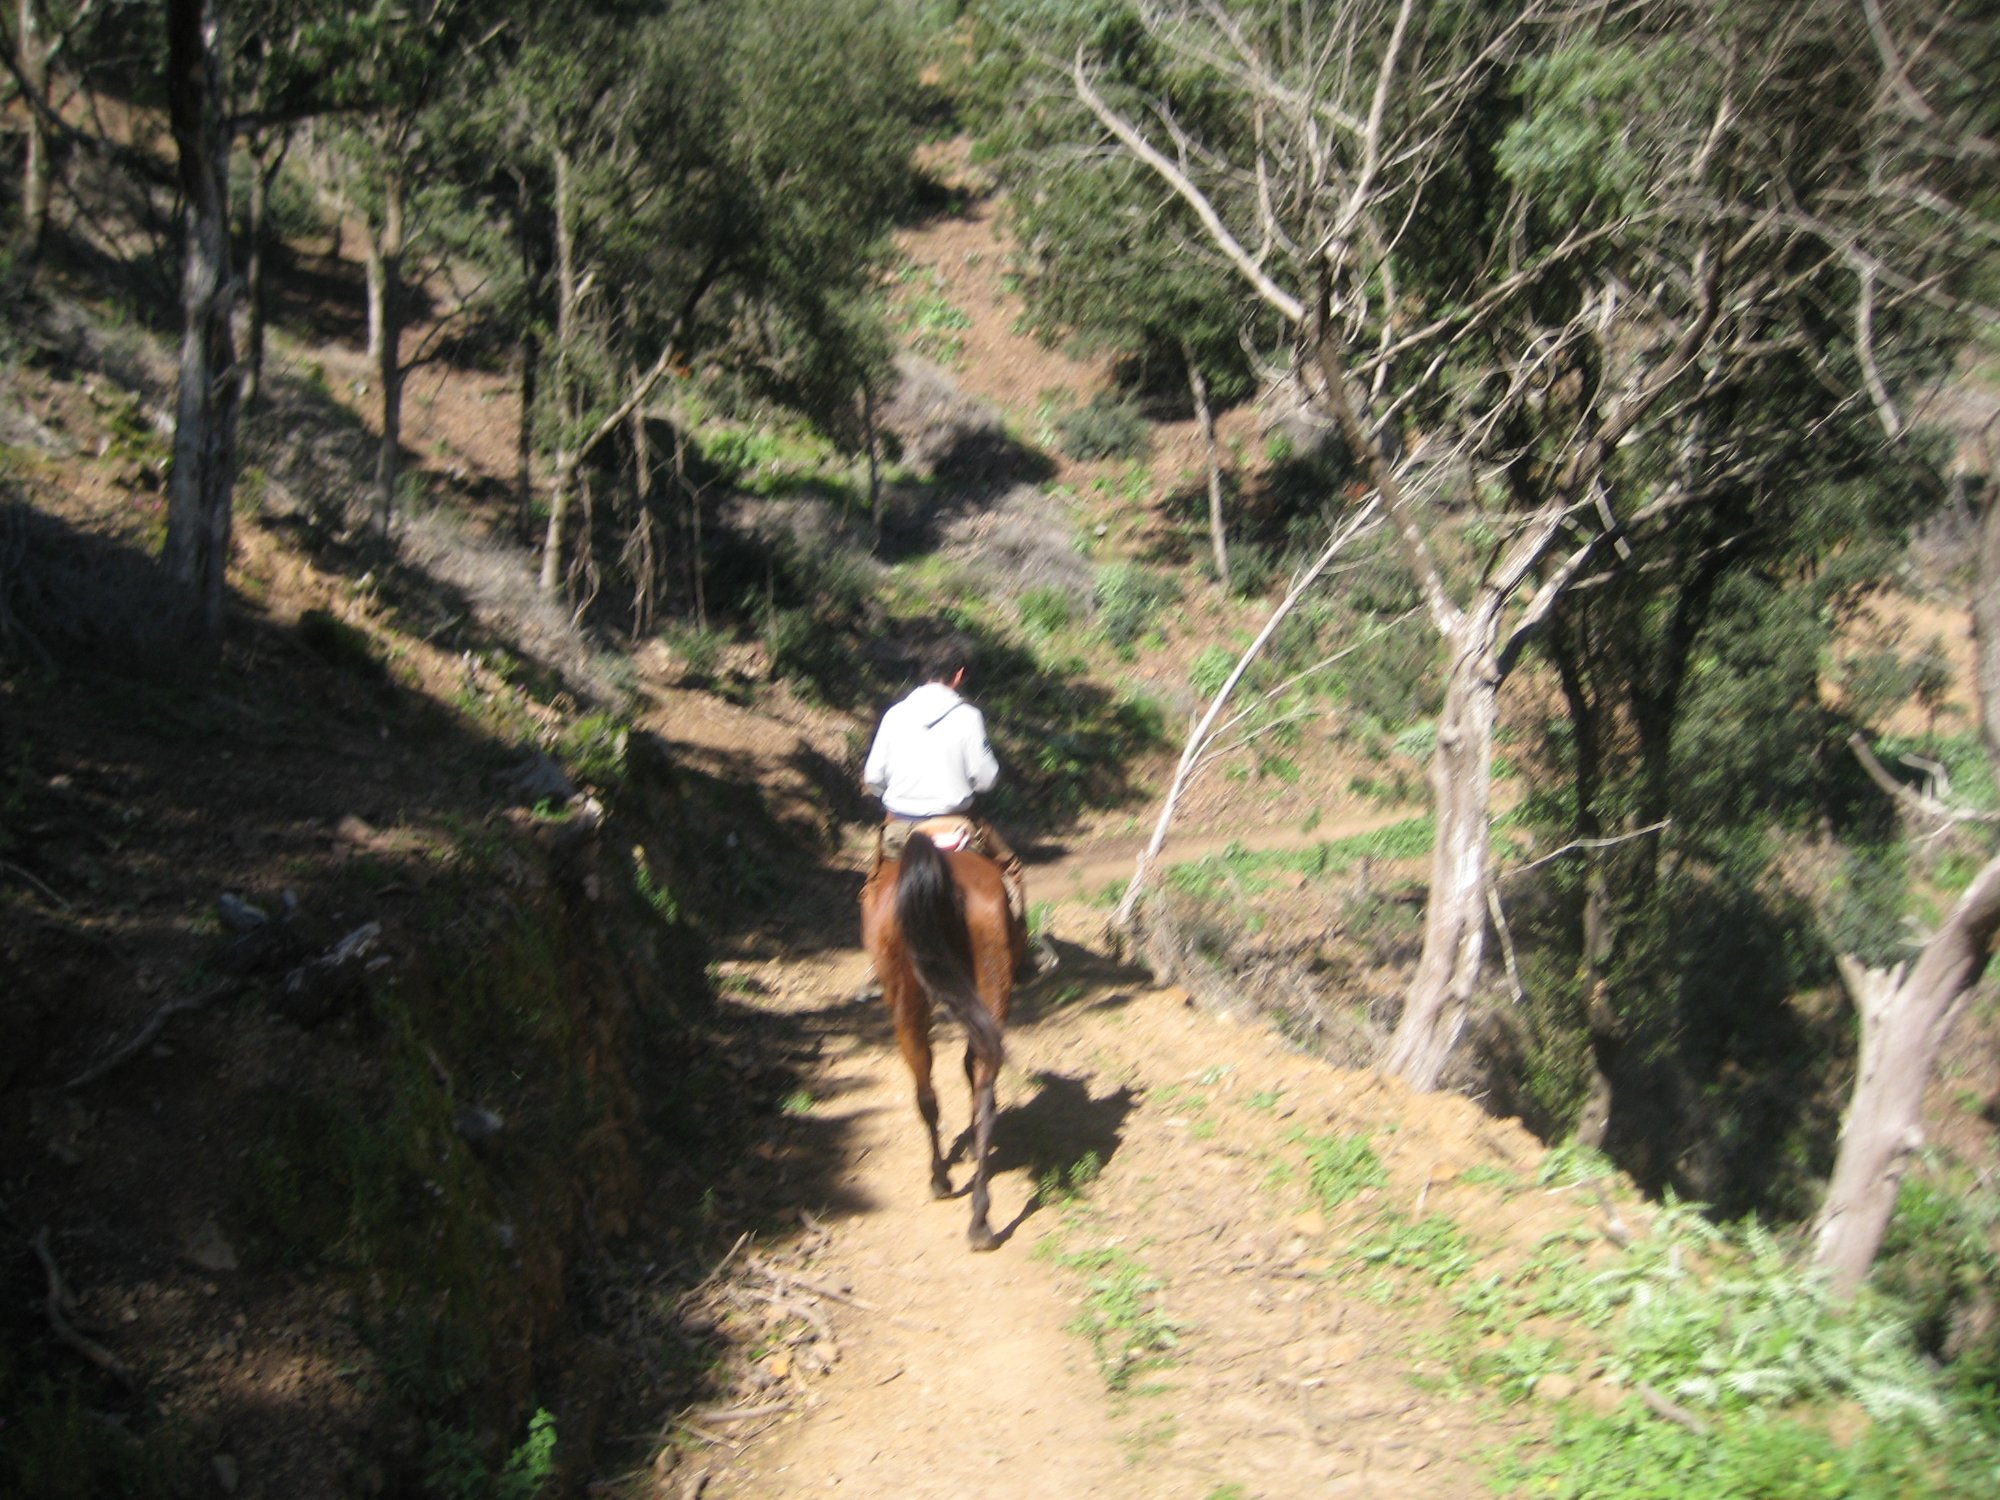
point(715, 1274)
point(817, 1288)
point(743, 1413)
point(148, 1033)
point(792, 1307)
point(34, 880)
point(1660, 1406)
point(54, 1306)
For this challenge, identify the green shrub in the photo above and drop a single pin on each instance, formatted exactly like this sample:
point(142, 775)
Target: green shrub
point(1045, 610)
point(1129, 598)
point(593, 748)
point(1107, 426)
point(1209, 670)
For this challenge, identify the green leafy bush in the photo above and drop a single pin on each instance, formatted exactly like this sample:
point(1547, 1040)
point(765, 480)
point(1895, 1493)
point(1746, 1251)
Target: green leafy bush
point(1107, 426)
point(1045, 610)
point(1129, 598)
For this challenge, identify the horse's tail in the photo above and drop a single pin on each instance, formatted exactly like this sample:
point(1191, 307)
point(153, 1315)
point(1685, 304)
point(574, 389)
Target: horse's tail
point(932, 915)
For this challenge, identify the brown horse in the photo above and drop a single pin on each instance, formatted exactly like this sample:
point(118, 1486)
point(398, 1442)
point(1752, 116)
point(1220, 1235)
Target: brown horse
point(940, 930)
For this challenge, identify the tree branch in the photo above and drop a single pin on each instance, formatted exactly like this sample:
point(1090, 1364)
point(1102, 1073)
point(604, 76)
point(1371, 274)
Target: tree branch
point(1289, 306)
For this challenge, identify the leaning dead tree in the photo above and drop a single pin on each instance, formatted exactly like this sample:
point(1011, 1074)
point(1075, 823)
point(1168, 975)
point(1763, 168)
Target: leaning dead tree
point(1531, 258)
point(1909, 1010)
point(1200, 741)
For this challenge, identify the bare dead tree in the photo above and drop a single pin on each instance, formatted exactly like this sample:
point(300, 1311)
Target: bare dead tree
point(1909, 1010)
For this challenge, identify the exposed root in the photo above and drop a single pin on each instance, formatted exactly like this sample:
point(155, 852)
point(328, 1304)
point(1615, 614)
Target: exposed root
point(56, 1307)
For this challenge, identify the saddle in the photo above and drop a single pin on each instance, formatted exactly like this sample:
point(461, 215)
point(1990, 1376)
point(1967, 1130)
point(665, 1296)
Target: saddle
point(949, 832)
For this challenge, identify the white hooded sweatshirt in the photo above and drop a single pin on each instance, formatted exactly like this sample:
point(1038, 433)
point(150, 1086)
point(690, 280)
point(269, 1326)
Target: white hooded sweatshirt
point(930, 756)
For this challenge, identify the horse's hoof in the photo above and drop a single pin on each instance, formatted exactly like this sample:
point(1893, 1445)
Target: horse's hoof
point(982, 1239)
point(940, 1187)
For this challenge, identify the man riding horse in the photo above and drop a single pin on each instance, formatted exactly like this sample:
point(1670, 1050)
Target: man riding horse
point(943, 913)
point(930, 759)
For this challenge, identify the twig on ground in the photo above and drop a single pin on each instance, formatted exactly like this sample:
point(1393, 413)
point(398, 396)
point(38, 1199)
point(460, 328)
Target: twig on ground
point(710, 1437)
point(806, 1283)
point(1614, 1224)
point(744, 1413)
point(792, 1307)
point(715, 1272)
point(151, 1030)
point(1660, 1406)
point(54, 1307)
point(34, 880)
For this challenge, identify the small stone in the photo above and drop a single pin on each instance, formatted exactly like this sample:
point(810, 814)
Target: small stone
point(209, 1249)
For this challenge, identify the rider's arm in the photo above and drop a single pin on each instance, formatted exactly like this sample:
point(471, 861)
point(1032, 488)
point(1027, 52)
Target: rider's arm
point(875, 772)
point(981, 769)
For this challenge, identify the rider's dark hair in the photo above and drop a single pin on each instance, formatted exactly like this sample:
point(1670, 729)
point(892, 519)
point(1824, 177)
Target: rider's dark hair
point(943, 658)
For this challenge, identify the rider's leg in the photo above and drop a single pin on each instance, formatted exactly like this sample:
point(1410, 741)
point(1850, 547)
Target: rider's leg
point(1012, 872)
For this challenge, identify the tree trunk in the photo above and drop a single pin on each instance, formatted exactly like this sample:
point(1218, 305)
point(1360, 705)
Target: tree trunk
point(873, 437)
point(1455, 914)
point(1217, 537)
point(1986, 625)
point(530, 364)
point(198, 493)
point(255, 253)
point(565, 465)
point(1906, 1016)
point(32, 59)
point(385, 254)
point(372, 272)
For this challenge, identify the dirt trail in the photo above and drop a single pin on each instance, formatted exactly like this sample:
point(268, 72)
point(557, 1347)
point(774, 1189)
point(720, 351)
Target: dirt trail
point(1291, 1371)
point(957, 1377)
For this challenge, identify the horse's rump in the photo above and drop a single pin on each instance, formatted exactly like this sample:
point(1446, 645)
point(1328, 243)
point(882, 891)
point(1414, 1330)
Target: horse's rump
point(930, 909)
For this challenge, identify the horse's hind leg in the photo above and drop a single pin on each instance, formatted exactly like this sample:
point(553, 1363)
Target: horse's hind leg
point(986, 1072)
point(913, 1036)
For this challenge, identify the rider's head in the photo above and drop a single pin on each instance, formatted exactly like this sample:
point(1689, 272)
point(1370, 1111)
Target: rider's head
point(945, 659)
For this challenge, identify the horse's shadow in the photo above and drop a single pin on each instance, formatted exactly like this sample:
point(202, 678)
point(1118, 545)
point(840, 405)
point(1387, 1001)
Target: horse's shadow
point(1062, 1137)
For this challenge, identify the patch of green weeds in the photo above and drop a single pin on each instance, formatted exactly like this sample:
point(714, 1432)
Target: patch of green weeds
point(1062, 1186)
point(1338, 1167)
point(1106, 426)
point(1045, 611)
point(1121, 1315)
point(1264, 1101)
point(1514, 1369)
point(454, 1468)
point(1572, 1164)
point(1486, 1174)
point(700, 649)
point(1129, 599)
point(651, 890)
point(1630, 1454)
point(1433, 1247)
